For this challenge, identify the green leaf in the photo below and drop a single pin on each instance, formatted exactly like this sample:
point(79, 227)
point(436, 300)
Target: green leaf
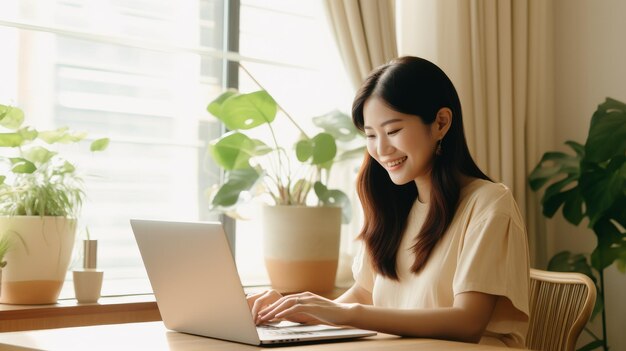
point(304, 149)
point(326, 165)
point(234, 150)
point(236, 181)
point(2, 178)
point(321, 191)
point(573, 208)
point(324, 148)
point(21, 165)
point(337, 124)
point(247, 111)
point(592, 345)
point(61, 135)
point(215, 107)
point(321, 149)
point(601, 187)
point(556, 187)
point(66, 168)
point(565, 261)
point(28, 133)
point(99, 144)
point(560, 262)
point(551, 165)
point(17, 138)
point(551, 204)
point(260, 148)
point(11, 139)
point(38, 154)
point(578, 148)
point(607, 132)
point(11, 117)
point(610, 246)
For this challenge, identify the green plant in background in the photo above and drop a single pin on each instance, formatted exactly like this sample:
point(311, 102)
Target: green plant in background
point(248, 161)
point(37, 181)
point(591, 184)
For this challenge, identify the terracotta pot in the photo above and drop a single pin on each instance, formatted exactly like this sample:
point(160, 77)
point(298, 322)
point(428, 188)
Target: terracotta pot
point(301, 247)
point(38, 259)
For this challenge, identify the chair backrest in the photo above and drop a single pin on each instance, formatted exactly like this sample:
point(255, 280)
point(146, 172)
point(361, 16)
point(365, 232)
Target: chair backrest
point(560, 306)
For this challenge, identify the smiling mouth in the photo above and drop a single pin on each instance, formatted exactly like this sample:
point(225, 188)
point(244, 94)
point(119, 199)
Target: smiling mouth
point(396, 162)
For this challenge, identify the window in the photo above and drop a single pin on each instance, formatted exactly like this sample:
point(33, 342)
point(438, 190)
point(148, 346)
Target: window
point(141, 72)
point(312, 85)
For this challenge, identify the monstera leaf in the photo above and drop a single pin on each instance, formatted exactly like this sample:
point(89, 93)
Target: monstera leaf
point(244, 111)
point(590, 183)
point(233, 150)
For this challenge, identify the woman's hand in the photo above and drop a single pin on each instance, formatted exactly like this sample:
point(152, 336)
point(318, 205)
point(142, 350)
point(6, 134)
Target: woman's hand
point(261, 300)
point(305, 308)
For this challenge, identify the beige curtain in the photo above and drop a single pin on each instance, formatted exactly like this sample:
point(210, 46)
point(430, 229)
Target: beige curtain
point(499, 55)
point(365, 34)
point(366, 38)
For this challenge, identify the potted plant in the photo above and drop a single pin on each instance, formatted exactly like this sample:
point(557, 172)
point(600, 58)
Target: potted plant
point(40, 198)
point(303, 216)
point(591, 183)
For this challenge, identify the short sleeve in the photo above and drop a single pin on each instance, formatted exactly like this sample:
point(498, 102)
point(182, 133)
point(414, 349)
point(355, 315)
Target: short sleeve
point(493, 258)
point(362, 269)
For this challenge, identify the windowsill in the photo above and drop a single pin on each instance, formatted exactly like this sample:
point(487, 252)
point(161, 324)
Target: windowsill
point(70, 313)
point(108, 310)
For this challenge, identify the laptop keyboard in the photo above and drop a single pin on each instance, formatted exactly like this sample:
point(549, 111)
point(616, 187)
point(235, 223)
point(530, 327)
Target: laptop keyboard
point(273, 330)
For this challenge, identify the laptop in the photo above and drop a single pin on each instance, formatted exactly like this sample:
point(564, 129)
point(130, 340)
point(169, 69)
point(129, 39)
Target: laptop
point(198, 290)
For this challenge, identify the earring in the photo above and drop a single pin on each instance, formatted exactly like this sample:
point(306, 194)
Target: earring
point(438, 151)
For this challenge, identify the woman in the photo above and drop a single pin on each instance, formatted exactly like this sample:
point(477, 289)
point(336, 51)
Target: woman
point(445, 253)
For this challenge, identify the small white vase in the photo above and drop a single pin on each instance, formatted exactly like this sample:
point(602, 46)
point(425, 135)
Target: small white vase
point(87, 285)
point(88, 281)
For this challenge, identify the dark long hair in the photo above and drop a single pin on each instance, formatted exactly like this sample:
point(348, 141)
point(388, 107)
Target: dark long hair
point(414, 86)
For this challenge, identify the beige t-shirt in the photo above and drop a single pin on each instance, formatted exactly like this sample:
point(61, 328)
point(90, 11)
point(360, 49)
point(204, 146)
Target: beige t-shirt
point(485, 249)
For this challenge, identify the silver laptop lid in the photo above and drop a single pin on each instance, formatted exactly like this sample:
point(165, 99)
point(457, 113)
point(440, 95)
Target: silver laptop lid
point(190, 302)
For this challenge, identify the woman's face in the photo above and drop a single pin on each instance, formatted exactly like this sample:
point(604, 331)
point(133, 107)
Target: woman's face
point(399, 142)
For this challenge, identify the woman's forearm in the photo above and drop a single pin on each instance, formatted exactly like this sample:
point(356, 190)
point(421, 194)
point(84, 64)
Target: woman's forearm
point(465, 321)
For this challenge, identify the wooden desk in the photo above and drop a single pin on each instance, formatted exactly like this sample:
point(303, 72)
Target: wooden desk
point(154, 336)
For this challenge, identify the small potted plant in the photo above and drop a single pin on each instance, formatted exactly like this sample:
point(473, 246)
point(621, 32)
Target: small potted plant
point(590, 183)
point(41, 194)
point(303, 216)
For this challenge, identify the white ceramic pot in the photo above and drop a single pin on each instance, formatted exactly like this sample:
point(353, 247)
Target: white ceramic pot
point(301, 247)
point(38, 259)
point(87, 284)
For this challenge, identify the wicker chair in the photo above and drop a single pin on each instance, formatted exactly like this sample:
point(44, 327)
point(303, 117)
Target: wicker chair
point(560, 306)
